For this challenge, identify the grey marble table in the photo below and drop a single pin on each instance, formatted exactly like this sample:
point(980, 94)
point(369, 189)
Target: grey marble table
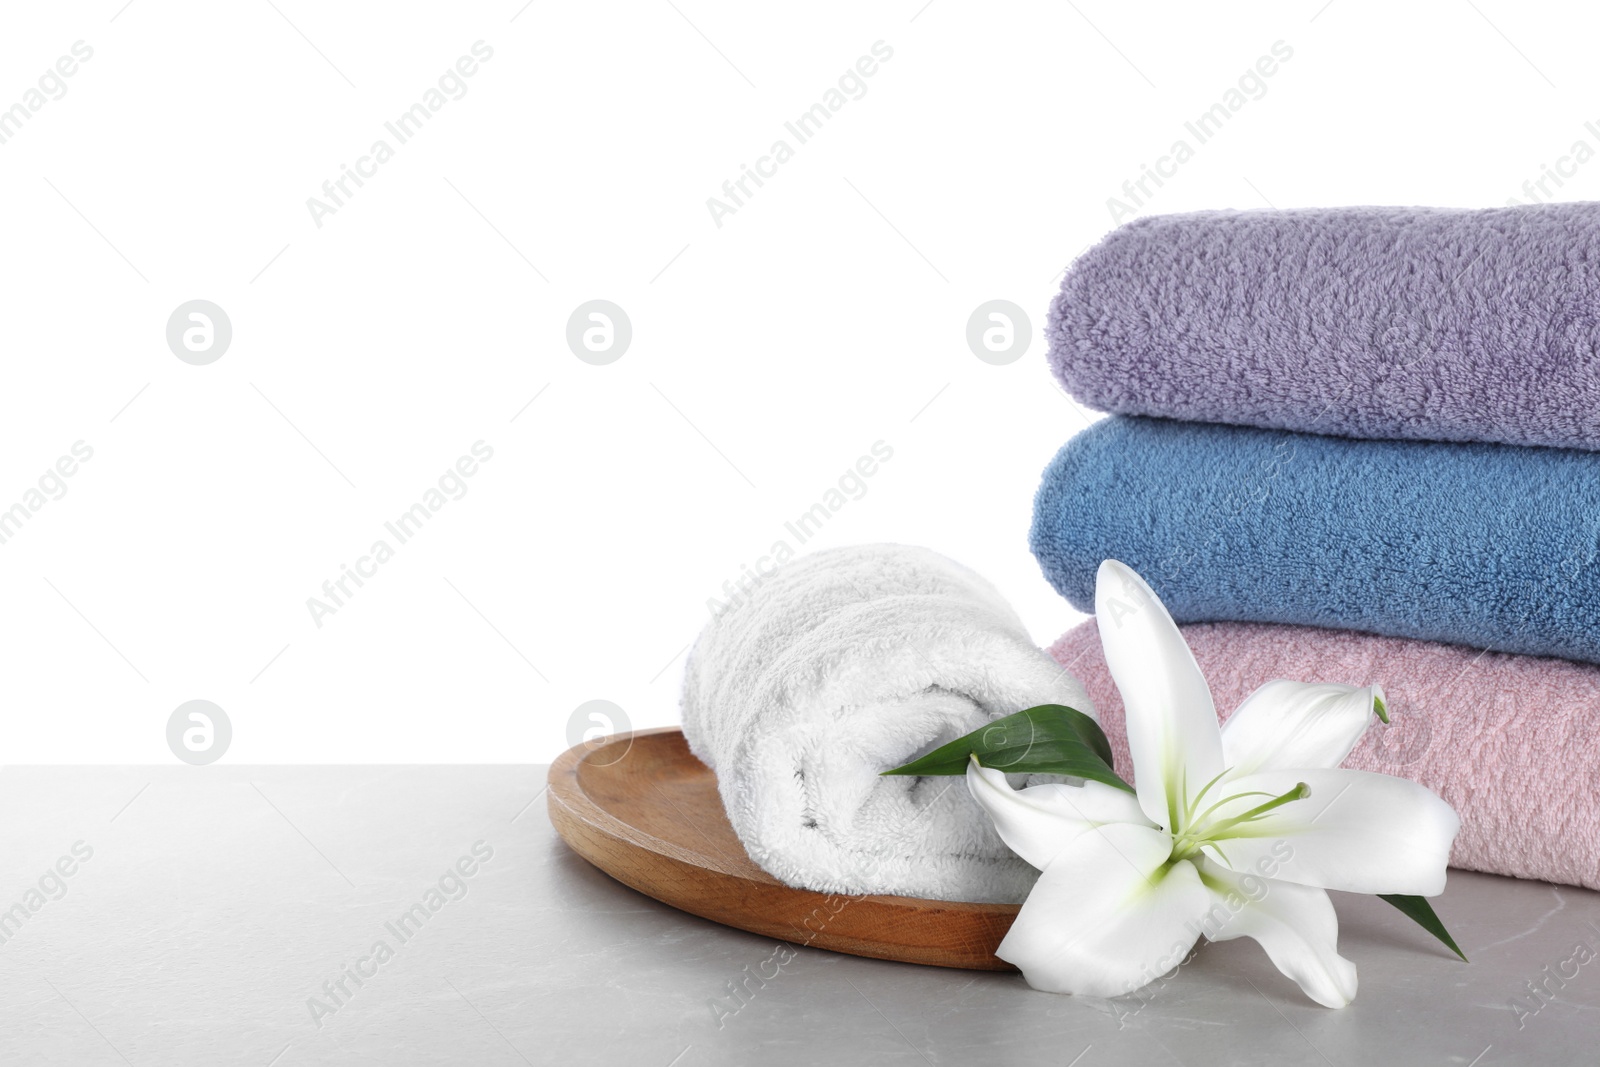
point(232, 915)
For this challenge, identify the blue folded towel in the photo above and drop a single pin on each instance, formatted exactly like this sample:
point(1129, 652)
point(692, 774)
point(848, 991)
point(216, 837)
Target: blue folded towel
point(1487, 545)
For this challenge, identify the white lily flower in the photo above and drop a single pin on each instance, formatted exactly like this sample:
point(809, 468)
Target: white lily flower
point(1234, 832)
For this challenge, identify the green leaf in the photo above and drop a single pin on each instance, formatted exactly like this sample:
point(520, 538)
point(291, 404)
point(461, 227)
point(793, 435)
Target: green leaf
point(1048, 739)
point(1421, 912)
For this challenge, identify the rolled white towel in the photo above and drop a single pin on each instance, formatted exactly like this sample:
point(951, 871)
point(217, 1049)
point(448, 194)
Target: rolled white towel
point(845, 663)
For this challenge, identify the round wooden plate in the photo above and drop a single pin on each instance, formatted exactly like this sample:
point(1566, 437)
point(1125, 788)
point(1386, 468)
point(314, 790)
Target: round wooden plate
point(643, 809)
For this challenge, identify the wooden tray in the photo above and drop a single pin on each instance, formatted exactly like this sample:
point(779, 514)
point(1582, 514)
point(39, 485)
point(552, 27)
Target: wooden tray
point(643, 809)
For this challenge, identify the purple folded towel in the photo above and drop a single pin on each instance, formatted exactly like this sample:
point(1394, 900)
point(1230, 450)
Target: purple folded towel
point(1419, 323)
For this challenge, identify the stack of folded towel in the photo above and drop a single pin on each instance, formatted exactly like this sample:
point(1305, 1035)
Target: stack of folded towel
point(1359, 445)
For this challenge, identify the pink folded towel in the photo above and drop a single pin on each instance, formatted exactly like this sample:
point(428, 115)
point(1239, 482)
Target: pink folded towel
point(1511, 742)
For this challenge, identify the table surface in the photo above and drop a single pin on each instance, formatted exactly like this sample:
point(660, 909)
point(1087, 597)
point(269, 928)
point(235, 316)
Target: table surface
point(211, 913)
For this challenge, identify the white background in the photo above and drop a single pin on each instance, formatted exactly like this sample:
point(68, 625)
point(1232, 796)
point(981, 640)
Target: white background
point(768, 354)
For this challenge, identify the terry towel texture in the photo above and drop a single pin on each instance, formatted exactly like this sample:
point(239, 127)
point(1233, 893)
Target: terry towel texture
point(845, 663)
point(1492, 546)
point(1415, 323)
point(1511, 742)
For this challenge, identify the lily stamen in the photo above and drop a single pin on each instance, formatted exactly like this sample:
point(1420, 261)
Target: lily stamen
point(1195, 802)
point(1200, 819)
point(1201, 833)
point(1301, 791)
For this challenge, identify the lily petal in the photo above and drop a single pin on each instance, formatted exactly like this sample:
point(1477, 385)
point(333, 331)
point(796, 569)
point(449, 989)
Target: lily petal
point(1039, 821)
point(1358, 832)
point(1108, 915)
point(1296, 925)
point(1288, 724)
point(1172, 723)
